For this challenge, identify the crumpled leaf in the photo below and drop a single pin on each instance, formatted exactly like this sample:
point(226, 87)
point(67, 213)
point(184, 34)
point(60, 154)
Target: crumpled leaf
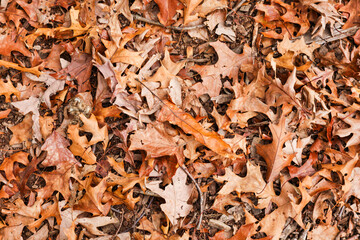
point(175, 195)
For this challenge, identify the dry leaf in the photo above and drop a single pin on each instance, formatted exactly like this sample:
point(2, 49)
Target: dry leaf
point(175, 195)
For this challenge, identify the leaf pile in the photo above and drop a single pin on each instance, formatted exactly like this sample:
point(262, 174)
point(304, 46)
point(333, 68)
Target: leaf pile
point(179, 119)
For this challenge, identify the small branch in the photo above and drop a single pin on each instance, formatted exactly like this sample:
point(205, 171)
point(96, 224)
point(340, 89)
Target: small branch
point(200, 196)
point(238, 5)
point(121, 222)
point(180, 29)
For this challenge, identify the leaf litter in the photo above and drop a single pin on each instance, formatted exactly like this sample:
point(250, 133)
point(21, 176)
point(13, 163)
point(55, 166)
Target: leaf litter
point(179, 119)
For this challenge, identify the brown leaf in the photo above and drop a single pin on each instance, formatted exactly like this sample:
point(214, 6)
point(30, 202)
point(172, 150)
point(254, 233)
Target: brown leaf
point(272, 153)
point(127, 56)
point(167, 10)
point(8, 44)
point(92, 199)
point(156, 142)
point(252, 182)
point(353, 129)
point(80, 145)
point(306, 169)
point(8, 164)
point(352, 7)
point(22, 132)
point(221, 201)
point(80, 69)
point(57, 152)
point(228, 65)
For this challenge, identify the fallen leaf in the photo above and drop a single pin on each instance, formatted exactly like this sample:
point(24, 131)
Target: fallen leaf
point(273, 154)
point(228, 65)
point(7, 89)
point(175, 195)
point(170, 112)
point(156, 142)
point(22, 132)
point(167, 10)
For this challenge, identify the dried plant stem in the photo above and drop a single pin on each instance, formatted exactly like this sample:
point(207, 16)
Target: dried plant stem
point(185, 28)
point(200, 196)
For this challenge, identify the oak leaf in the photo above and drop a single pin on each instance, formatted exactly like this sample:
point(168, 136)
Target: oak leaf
point(80, 145)
point(92, 199)
point(353, 129)
point(273, 154)
point(170, 112)
point(8, 164)
point(176, 196)
point(31, 105)
point(7, 89)
point(91, 126)
point(22, 132)
point(252, 182)
point(167, 10)
point(127, 56)
point(156, 142)
point(352, 7)
point(228, 65)
point(8, 44)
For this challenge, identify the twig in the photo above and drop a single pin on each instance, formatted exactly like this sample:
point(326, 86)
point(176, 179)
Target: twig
point(200, 196)
point(121, 222)
point(238, 5)
point(185, 28)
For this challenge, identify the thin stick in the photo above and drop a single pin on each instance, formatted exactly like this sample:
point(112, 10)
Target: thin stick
point(185, 28)
point(200, 196)
point(238, 5)
point(121, 222)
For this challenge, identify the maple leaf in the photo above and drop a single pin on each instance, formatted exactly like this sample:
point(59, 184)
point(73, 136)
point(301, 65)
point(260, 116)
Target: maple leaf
point(273, 154)
point(228, 65)
point(175, 195)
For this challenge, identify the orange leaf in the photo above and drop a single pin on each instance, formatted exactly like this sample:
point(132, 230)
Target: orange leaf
point(171, 113)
